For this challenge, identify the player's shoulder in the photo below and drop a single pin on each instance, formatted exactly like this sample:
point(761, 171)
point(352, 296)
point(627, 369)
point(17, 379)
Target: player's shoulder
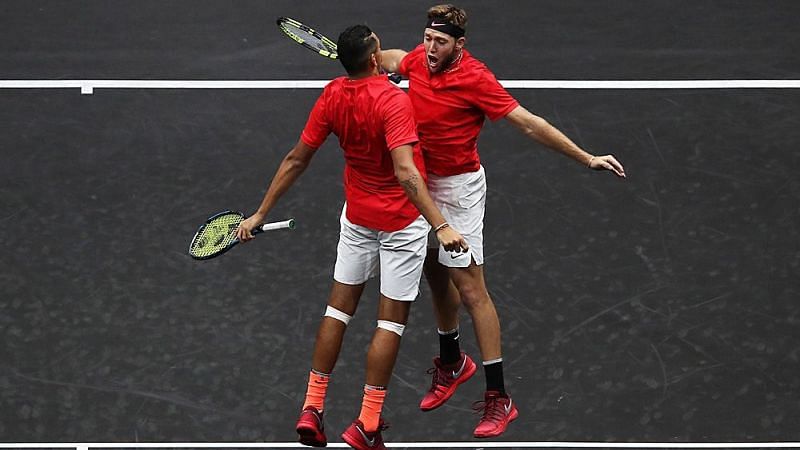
point(474, 66)
point(391, 93)
point(416, 53)
point(390, 99)
point(472, 74)
point(335, 84)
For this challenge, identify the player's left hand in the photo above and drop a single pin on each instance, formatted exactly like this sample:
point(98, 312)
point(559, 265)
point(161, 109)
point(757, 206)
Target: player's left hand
point(607, 162)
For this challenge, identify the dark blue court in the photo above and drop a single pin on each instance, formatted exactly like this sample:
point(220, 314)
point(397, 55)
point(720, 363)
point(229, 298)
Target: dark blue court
point(662, 308)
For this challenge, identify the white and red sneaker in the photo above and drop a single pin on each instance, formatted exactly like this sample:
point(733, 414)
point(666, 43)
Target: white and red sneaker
point(498, 411)
point(446, 381)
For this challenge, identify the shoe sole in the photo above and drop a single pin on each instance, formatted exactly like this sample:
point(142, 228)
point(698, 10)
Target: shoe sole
point(459, 381)
point(308, 437)
point(352, 443)
point(512, 417)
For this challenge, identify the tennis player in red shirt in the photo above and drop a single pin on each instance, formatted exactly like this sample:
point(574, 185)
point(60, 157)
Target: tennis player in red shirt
point(384, 225)
point(452, 93)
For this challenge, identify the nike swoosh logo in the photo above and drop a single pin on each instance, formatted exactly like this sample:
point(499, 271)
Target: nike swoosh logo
point(370, 442)
point(434, 24)
point(508, 407)
point(457, 255)
point(458, 374)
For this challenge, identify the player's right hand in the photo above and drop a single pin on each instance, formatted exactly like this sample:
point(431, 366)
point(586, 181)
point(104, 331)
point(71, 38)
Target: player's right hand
point(245, 231)
point(451, 240)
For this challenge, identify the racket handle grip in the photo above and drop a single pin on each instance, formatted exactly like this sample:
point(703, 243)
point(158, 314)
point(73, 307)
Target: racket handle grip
point(275, 226)
point(396, 78)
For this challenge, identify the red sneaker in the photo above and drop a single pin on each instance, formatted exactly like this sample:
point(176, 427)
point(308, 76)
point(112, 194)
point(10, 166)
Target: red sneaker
point(356, 437)
point(498, 412)
point(311, 429)
point(445, 381)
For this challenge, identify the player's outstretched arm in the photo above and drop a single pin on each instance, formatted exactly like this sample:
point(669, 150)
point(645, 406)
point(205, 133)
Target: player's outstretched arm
point(409, 177)
point(292, 166)
point(541, 131)
point(390, 59)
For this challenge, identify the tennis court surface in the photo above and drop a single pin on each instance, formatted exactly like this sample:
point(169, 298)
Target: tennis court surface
point(659, 309)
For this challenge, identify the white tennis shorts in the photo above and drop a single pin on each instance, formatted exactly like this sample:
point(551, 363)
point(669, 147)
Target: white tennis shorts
point(462, 200)
point(400, 255)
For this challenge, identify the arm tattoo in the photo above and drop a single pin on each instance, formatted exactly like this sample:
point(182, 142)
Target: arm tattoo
point(410, 185)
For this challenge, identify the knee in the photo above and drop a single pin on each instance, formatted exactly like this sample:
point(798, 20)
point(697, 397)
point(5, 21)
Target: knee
point(473, 295)
point(337, 314)
point(393, 310)
point(394, 327)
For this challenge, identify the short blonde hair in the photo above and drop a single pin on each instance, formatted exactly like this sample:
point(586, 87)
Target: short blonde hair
point(450, 13)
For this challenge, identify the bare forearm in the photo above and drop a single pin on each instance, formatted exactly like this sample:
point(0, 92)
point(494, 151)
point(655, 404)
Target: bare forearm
point(290, 169)
point(390, 59)
point(541, 131)
point(551, 137)
point(414, 185)
point(418, 194)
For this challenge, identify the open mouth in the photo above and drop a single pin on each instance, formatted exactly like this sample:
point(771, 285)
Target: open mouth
point(433, 62)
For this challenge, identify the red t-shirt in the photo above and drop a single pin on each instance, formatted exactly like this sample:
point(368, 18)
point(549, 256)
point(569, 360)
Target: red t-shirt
point(450, 107)
point(370, 116)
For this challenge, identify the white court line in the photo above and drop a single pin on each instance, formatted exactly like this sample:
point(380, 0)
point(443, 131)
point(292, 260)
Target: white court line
point(473, 445)
point(88, 86)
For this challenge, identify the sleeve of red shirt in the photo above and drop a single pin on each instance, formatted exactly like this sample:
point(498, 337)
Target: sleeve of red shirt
point(398, 118)
point(491, 97)
point(317, 127)
point(407, 60)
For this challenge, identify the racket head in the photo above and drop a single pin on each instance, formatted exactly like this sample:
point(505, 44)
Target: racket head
point(308, 37)
point(216, 236)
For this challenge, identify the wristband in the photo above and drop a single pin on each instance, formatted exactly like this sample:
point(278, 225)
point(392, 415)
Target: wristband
point(589, 164)
point(441, 227)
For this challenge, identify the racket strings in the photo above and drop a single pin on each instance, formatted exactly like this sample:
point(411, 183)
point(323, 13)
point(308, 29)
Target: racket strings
point(216, 236)
point(307, 36)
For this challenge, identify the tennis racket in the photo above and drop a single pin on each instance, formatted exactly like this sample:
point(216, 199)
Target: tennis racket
point(218, 234)
point(314, 40)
